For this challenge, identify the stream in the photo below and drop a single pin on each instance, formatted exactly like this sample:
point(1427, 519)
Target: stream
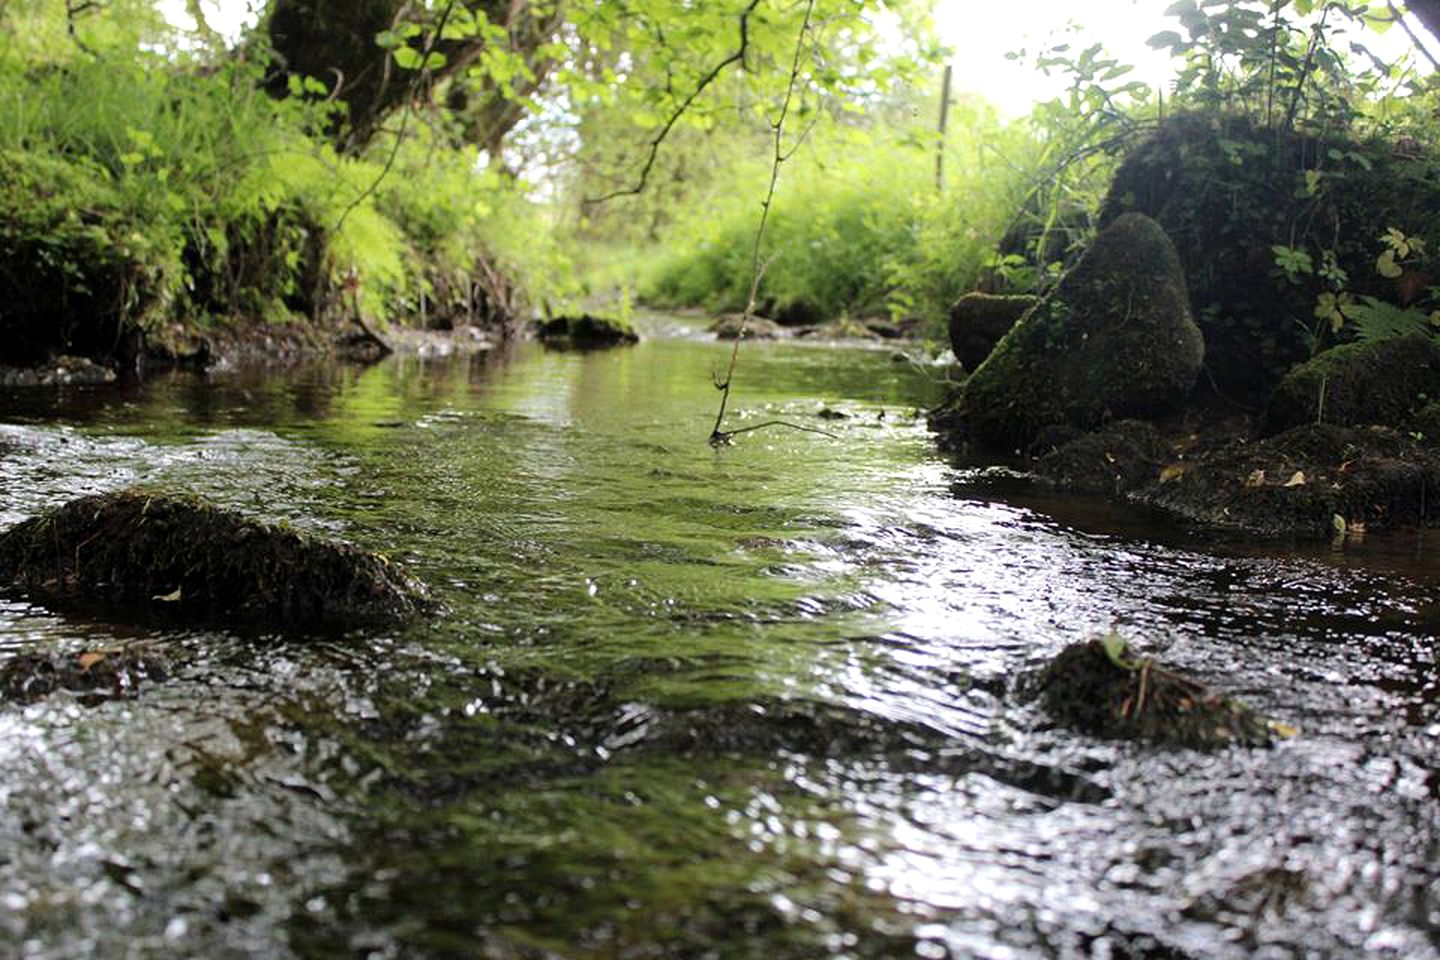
point(768, 701)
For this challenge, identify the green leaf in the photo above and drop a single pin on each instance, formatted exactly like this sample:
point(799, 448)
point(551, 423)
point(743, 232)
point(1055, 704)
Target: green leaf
point(408, 58)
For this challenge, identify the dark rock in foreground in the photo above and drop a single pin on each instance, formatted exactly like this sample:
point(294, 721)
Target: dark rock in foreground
point(95, 675)
point(1124, 455)
point(1383, 381)
point(1097, 688)
point(1115, 339)
point(978, 321)
point(183, 556)
point(588, 331)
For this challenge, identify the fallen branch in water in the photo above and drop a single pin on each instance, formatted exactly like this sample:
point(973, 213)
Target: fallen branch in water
point(719, 437)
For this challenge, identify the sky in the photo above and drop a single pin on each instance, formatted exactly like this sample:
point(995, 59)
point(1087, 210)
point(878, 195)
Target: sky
point(980, 34)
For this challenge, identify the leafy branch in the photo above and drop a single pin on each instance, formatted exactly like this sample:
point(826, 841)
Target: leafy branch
point(710, 77)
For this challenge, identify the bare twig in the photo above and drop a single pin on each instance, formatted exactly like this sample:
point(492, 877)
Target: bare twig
point(404, 119)
point(654, 146)
point(757, 264)
point(1414, 38)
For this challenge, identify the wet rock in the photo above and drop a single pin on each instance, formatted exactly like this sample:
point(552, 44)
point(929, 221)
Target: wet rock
point(1098, 688)
point(1124, 455)
point(1380, 382)
point(59, 372)
point(182, 556)
point(843, 329)
point(1296, 483)
point(96, 675)
point(728, 327)
point(587, 332)
point(979, 320)
point(1114, 340)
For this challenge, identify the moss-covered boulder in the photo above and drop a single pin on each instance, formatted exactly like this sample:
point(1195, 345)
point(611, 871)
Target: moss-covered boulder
point(1228, 192)
point(1424, 425)
point(729, 326)
point(180, 555)
point(1381, 382)
point(979, 320)
point(1100, 688)
point(588, 332)
point(1115, 339)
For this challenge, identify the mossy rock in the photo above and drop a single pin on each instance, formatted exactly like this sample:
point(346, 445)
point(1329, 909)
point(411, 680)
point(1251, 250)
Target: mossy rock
point(1227, 191)
point(1122, 456)
point(979, 320)
point(728, 327)
point(588, 332)
point(1108, 694)
point(1380, 382)
point(1114, 340)
point(177, 555)
point(1424, 426)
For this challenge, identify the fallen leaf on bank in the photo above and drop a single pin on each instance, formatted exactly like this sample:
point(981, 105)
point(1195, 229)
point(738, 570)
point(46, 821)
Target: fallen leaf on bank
point(1298, 480)
point(1172, 472)
point(173, 597)
point(1256, 479)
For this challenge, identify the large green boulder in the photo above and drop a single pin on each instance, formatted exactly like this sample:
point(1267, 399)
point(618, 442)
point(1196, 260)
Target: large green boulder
point(979, 320)
point(1380, 382)
point(1115, 339)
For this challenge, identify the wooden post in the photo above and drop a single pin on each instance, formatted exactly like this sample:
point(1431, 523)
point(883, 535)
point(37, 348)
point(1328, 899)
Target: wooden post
point(940, 140)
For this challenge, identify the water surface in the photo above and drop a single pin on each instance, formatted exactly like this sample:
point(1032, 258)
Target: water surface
point(765, 701)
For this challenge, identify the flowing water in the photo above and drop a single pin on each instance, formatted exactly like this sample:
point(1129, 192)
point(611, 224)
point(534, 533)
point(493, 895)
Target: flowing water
point(768, 701)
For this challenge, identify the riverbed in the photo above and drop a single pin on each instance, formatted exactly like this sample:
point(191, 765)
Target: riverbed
point(772, 700)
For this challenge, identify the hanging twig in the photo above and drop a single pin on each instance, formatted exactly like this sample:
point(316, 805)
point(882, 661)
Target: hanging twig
point(1414, 38)
point(654, 146)
point(404, 119)
point(719, 437)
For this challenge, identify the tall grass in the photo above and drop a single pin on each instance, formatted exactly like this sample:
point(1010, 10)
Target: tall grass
point(859, 227)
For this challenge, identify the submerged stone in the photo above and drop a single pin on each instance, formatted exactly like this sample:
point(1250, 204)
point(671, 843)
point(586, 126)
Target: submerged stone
point(94, 675)
point(183, 556)
point(1098, 689)
point(1115, 339)
point(588, 331)
point(979, 320)
point(1380, 382)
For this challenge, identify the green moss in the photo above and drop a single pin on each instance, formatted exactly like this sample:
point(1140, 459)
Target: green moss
point(979, 320)
point(1115, 339)
point(1227, 191)
point(1380, 382)
point(183, 556)
point(588, 331)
